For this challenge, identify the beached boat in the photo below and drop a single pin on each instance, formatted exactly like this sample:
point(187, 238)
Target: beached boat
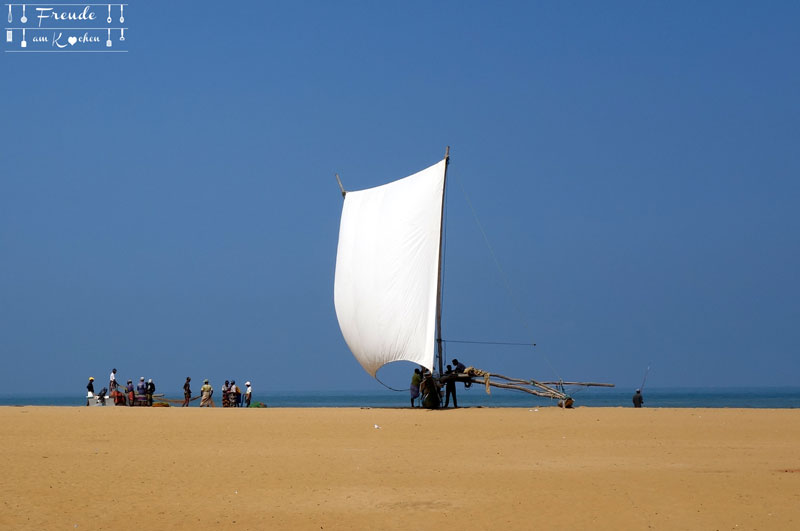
point(388, 280)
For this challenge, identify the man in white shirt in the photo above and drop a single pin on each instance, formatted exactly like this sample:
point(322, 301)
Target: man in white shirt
point(112, 381)
point(248, 394)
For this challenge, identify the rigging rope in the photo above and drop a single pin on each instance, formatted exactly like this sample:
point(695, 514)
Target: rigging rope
point(489, 343)
point(504, 277)
point(390, 388)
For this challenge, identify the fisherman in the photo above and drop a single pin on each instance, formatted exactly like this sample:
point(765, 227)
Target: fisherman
point(129, 390)
point(112, 380)
point(248, 394)
point(206, 391)
point(226, 389)
point(187, 392)
point(141, 392)
point(430, 392)
point(461, 369)
point(102, 396)
point(151, 389)
point(450, 386)
point(234, 394)
point(413, 389)
point(638, 399)
point(90, 389)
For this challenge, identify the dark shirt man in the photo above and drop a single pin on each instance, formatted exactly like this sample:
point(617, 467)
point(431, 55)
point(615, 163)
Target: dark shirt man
point(187, 392)
point(638, 400)
point(450, 386)
point(90, 390)
point(151, 390)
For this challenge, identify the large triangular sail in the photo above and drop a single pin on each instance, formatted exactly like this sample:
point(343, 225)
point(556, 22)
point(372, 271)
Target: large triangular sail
point(387, 266)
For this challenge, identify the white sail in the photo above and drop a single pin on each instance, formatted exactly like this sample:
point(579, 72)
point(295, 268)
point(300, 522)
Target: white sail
point(387, 267)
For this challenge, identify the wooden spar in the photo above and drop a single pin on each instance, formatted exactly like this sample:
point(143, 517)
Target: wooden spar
point(338, 180)
point(551, 393)
point(439, 275)
point(585, 384)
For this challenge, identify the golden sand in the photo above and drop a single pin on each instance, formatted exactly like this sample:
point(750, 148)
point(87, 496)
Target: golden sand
point(478, 468)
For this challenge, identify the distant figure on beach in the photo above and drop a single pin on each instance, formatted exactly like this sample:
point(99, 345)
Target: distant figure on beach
point(638, 400)
point(413, 389)
point(151, 390)
point(141, 392)
point(129, 391)
point(90, 389)
point(461, 369)
point(187, 392)
point(430, 392)
point(102, 396)
point(205, 392)
point(234, 394)
point(226, 389)
point(248, 394)
point(450, 386)
point(112, 380)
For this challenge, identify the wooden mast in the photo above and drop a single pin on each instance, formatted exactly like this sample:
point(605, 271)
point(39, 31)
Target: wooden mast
point(439, 277)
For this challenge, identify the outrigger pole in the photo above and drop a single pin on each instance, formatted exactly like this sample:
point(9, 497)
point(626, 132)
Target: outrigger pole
point(439, 277)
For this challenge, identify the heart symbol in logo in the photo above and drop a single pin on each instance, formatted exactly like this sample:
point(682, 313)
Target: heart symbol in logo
point(72, 40)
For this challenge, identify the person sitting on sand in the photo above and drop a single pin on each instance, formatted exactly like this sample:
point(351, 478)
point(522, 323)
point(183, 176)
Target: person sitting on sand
point(102, 396)
point(638, 400)
point(205, 392)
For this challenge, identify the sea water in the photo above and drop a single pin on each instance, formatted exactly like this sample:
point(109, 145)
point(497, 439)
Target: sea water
point(733, 397)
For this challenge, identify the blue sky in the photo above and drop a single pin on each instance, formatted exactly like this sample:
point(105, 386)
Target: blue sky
point(172, 211)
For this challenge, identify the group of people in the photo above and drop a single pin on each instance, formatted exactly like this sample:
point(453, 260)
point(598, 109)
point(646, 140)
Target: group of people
point(142, 393)
point(429, 388)
point(139, 395)
point(232, 396)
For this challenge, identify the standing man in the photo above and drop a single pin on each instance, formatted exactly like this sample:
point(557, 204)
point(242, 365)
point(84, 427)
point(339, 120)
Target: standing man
point(450, 387)
point(112, 380)
point(413, 389)
point(151, 390)
point(90, 389)
point(141, 392)
point(248, 394)
point(638, 400)
point(129, 391)
point(205, 392)
point(234, 394)
point(187, 392)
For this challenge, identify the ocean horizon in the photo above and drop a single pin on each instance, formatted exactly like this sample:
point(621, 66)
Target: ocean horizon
point(669, 397)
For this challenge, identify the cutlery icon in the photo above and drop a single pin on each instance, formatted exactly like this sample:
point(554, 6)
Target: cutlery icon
point(24, 19)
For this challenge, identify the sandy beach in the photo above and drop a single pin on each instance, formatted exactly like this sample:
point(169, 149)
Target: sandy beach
point(478, 468)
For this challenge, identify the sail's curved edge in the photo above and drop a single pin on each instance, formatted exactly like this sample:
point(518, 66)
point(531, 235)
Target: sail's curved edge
point(387, 264)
